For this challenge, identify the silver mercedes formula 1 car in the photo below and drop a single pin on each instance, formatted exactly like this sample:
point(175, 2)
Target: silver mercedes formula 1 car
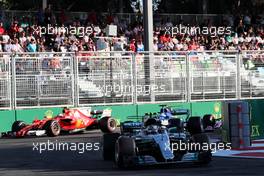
point(153, 141)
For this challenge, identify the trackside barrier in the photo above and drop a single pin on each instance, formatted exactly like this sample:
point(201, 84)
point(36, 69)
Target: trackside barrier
point(99, 78)
point(237, 123)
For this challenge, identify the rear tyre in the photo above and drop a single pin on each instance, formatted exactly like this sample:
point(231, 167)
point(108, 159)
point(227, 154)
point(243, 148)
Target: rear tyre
point(125, 150)
point(208, 120)
point(52, 128)
point(176, 122)
point(194, 125)
point(18, 125)
point(107, 124)
point(151, 121)
point(109, 141)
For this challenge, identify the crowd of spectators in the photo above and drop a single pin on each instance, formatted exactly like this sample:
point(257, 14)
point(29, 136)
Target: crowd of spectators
point(22, 35)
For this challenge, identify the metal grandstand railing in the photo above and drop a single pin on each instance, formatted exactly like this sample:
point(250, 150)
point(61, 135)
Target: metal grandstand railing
point(9, 15)
point(102, 78)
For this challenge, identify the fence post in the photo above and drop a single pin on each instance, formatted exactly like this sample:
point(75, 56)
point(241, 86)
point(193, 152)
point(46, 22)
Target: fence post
point(238, 76)
point(134, 78)
point(75, 80)
point(152, 81)
point(13, 81)
point(188, 78)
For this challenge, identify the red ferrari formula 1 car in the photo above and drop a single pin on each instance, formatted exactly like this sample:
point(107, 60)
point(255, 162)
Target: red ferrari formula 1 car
point(70, 121)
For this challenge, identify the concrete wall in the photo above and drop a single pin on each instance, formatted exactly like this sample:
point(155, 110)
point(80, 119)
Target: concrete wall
point(120, 112)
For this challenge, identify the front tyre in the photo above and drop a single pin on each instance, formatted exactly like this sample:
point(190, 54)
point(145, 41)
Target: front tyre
point(52, 128)
point(109, 140)
point(125, 150)
point(204, 156)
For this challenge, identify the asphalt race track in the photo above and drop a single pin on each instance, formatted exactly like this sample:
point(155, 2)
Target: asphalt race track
point(18, 158)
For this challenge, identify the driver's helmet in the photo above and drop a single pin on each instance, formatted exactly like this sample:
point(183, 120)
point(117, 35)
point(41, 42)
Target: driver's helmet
point(163, 116)
point(65, 110)
point(164, 110)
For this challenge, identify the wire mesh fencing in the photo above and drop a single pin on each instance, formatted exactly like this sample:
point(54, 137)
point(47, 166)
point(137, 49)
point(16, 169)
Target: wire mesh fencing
point(160, 77)
point(43, 79)
point(213, 75)
point(252, 74)
point(5, 81)
point(105, 78)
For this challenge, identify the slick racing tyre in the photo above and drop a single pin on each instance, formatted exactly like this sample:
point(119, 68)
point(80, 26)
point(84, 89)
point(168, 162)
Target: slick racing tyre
point(125, 150)
point(204, 153)
point(208, 120)
point(109, 140)
point(176, 122)
point(52, 128)
point(151, 121)
point(18, 125)
point(107, 124)
point(194, 125)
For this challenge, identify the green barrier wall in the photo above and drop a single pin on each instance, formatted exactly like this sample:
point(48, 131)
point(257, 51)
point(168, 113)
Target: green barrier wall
point(257, 118)
point(120, 112)
point(28, 115)
point(6, 120)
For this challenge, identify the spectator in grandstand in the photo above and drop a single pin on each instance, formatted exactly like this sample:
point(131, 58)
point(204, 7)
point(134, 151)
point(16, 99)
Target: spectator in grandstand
point(17, 47)
point(55, 64)
point(132, 45)
point(247, 33)
point(73, 46)
point(8, 46)
point(155, 45)
point(32, 47)
point(5, 38)
point(23, 39)
point(2, 29)
point(140, 46)
point(118, 45)
point(30, 37)
point(14, 28)
point(101, 44)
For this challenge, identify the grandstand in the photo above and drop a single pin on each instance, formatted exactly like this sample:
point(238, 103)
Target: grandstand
point(61, 68)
